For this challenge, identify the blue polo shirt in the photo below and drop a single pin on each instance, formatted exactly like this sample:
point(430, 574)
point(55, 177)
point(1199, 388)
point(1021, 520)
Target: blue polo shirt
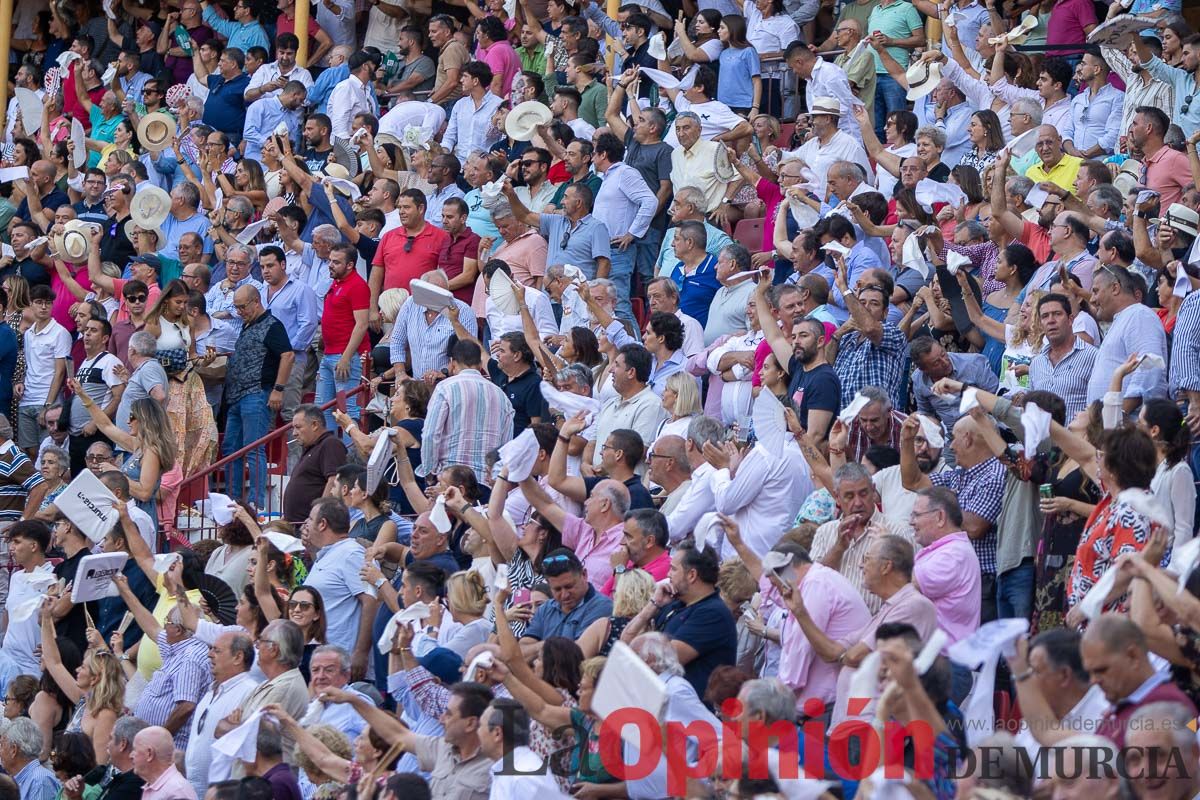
point(696, 291)
point(549, 620)
point(580, 244)
point(225, 108)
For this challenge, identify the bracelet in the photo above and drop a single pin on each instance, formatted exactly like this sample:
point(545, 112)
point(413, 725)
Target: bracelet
point(566, 439)
point(833, 452)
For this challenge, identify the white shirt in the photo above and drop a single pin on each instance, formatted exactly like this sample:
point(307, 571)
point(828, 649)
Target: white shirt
point(346, 100)
point(715, 118)
point(539, 305)
point(575, 311)
point(22, 637)
point(216, 704)
point(763, 497)
point(469, 125)
point(429, 117)
point(42, 348)
point(1083, 718)
point(269, 72)
point(829, 80)
point(509, 784)
point(693, 334)
point(693, 505)
point(581, 128)
point(819, 158)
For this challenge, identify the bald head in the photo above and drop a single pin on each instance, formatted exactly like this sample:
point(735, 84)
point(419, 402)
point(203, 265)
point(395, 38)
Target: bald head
point(1116, 633)
point(157, 742)
point(43, 171)
point(247, 295)
point(617, 497)
point(1049, 132)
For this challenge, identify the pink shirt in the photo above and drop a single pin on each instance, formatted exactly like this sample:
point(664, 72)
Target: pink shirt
point(658, 569)
point(504, 61)
point(63, 299)
point(171, 785)
point(837, 609)
point(947, 572)
point(1168, 172)
point(1067, 22)
point(595, 551)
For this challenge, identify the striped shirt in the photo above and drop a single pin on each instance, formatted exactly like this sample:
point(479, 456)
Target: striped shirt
point(183, 678)
point(851, 568)
point(1069, 377)
point(425, 342)
point(17, 479)
point(468, 417)
point(980, 491)
point(1185, 347)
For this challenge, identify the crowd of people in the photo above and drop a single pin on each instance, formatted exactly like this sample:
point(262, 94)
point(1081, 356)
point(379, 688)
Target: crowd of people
point(770, 366)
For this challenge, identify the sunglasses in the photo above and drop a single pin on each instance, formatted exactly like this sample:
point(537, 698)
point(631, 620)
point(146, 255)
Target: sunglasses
point(136, 298)
point(408, 244)
point(566, 240)
point(556, 559)
point(302, 605)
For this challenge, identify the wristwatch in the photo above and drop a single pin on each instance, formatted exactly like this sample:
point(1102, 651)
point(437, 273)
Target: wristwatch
point(278, 387)
point(620, 570)
point(379, 583)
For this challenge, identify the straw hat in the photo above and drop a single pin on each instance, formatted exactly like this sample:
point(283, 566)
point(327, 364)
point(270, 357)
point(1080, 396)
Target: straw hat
point(923, 77)
point(157, 131)
point(132, 227)
point(150, 207)
point(523, 120)
point(826, 105)
point(1180, 218)
point(76, 241)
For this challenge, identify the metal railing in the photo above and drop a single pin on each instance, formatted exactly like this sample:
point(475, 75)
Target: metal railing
point(191, 525)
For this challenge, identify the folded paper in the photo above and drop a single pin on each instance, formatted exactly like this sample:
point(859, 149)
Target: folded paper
point(377, 463)
point(520, 455)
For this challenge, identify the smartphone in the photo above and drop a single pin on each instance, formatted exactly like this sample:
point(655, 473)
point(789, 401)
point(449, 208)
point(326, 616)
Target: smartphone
point(521, 596)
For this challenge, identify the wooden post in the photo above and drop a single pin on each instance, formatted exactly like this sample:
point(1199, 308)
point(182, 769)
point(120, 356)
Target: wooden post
point(302, 9)
point(6, 29)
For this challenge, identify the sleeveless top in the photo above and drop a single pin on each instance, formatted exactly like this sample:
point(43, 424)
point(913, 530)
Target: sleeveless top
point(173, 336)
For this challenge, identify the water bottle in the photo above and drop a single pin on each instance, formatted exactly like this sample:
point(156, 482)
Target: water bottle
point(183, 39)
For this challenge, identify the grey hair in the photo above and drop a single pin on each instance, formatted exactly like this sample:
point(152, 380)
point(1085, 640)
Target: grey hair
point(60, 454)
point(739, 255)
point(327, 233)
point(241, 206)
point(898, 551)
point(770, 697)
point(692, 115)
point(606, 285)
point(243, 645)
point(668, 285)
point(243, 249)
point(1110, 196)
point(286, 636)
point(704, 429)
point(24, 734)
point(270, 740)
point(935, 135)
point(657, 118)
point(850, 472)
point(877, 395)
point(1019, 185)
point(501, 210)
point(554, 271)
point(1010, 775)
point(127, 727)
point(579, 374)
point(618, 498)
point(143, 343)
point(1027, 105)
point(692, 195)
point(1173, 716)
point(659, 654)
point(188, 193)
point(195, 105)
point(974, 228)
point(340, 652)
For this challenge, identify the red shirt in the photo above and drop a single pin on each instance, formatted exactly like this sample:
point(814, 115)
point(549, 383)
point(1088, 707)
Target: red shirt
point(346, 296)
point(558, 173)
point(456, 250)
point(71, 104)
point(285, 25)
point(423, 254)
point(1037, 239)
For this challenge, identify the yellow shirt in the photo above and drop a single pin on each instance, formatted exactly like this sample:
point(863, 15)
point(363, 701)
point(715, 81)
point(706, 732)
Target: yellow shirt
point(148, 657)
point(706, 167)
point(1063, 174)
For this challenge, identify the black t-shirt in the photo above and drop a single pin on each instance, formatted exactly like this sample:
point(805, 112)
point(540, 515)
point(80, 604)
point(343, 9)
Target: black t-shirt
point(315, 159)
point(74, 624)
point(50, 202)
point(639, 496)
point(821, 387)
point(116, 246)
point(30, 270)
point(654, 162)
point(525, 394)
point(276, 343)
point(709, 628)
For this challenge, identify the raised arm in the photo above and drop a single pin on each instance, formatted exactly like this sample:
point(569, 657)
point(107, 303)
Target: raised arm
point(101, 420)
point(1013, 224)
point(571, 486)
point(52, 660)
point(780, 345)
point(141, 615)
point(542, 503)
point(910, 473)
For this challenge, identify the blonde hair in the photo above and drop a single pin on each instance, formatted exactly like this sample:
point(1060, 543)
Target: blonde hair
point(466, 592)
point(1031, 335)
point(108, 690)
point(631, 592)
point(687, 396)
point(735, 582)
point(155, 433)
point(592, 667)
point(333, 739)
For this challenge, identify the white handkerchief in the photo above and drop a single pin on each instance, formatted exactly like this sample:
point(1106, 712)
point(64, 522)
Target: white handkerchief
point(709, 532)
point(26, 610)
point(285, 543)
point(247, 234)
point(834, 247)
point(484, 660)
point(221, 508)
point(492, 189)
point(657, 47)
point(956, 261)
point(770, 425)
point(569, 403)
point(500, 583)
point(414, 613)
point(415, 137)
point(850, 412)
point(573, 273)
point(1036, 422)
point(282, 130)
point(10, 174)
point(1183, 284)
point(350, 187)
point(163, 561)
point(970, 399)
point(1020, 145)
point(1037, 197)
point(865, 681)
point(241, 743)
point(930, 651)
point(65, 58)
point(930, 191)
point(774, 561)
point(982, 650)
point(378, 461)
point(1151, 361)
point(932, 431)
point(911, 256)
point(1092, 604)
point(665, 80)
point(109, 74)
point(438, 515)
point(520, 455)
point(108, 9)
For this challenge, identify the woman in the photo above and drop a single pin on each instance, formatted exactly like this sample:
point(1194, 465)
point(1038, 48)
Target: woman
point(762, 155)
point(681, 399)
point(1168, 301)
point(468, 599)
point(25, 152)
point(581, 73)
point(229, 562)
point(737, 588)
point(977, 208)
point(282, 572)
point(1172, 35)
point(124, 140)
point(336, 743)
point(369, 749)
point(900, 131)
point(56, 469)
point(1000, 317)
point(149, 445)
point(739, 81)
point(249, 181)
point(769, 31)
point(306, 608)
point(51, 708)
point(19, 696)
point(189, 412)
point(75, 754)
point(96, 689)
point(631, 592)
point(410, 401)
point(375, 528)
point(704, 46)
point(16, 292)
point(773, 377)
point(1173, 486)
point(987, 139)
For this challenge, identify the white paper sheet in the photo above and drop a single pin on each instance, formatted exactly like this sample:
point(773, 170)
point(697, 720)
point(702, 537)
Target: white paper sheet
point(1092, 604)
point(930, 651)
point(88, 503)
point(1183, 284)
point(834, 247)
point(94, 578)
point(628, 682)
point(1036, 422)
point(1037, 197)
point(932, 431)
point(381, 455)
point(850, 412)
point(912, 257)
point(247, 234)
point(10, 174)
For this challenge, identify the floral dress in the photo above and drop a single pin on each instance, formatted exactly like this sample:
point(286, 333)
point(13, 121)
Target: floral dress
point(748, 194)
point(1114, 528)
point(1056, 550)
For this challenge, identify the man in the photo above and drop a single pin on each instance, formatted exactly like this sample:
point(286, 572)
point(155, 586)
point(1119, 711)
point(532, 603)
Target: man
point(1093, 125)
point(597, 534)
point(626, 206)
point(688, 205)
point(225, 106)
point(644, 540)
point(671, 470)
point(21, 743)
point(350, 97)
point(513, 371)
point(804, 359)
point(268, 763)
point(932, 363)
point(468, 415)
point(459, 259)
point(535, 189)
point(220, 298)
point(349, 608)
point(574, 236)
point(407, 250)
point(90, 207)
point(258, 372)
point(295, 305)
point(877, 425)
point(420, 336)
point(621, 457)
point(701, 163)
point(727, 313)
point(574, 602)
point(1183, 79)
point(663, 297)
point(323, 453)
point(1056, 165)
point(896, 25)
point(116, 779)
point(718, 122)
point(98, 378)
point(695, 274)
point(42, 197)
point(443, 174)
point(564, 106)
point(344, 321)
point(946, 569)
point(27, 542)
point(175, 688)
point(577, 160)
point(47, 353)
point(470, 120)
point(636, 407)
point(270, 79)
point(826, 79)
point(330, 669)
point(417, 71)
point(315, 142)
point(1065, 364)
point(1161, 164)
point(866, 349)
point(516, 771)
point(153, 759)
point(829, 144)
point(185, 217)
point(243, 31)
point(1158, 733)
point(279, 647)
point(231, 656)
point(264, 117)
point(1114, 301)
point(452, 57)
point(1068, 237)
point(147, 378)
point(523, 250)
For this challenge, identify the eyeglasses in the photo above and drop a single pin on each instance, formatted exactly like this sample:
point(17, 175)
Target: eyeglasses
point(241, 306)
point(408, 244)
point(95, 459)
point(301, 605)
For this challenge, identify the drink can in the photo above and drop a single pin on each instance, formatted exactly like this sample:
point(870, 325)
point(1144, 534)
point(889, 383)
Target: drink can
point(1045, 491)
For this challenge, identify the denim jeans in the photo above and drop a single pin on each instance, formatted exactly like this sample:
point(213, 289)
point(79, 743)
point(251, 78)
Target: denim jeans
point(328, 386)
point(1014, 592)
point(247, 420)
point(620, 275)
point(646, 254)
point(889, 96)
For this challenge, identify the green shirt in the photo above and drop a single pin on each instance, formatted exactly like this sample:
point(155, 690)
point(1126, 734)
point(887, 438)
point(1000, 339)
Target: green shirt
point(895, 21)
point(593, 104)
point(103, 130)
point(592, 181)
